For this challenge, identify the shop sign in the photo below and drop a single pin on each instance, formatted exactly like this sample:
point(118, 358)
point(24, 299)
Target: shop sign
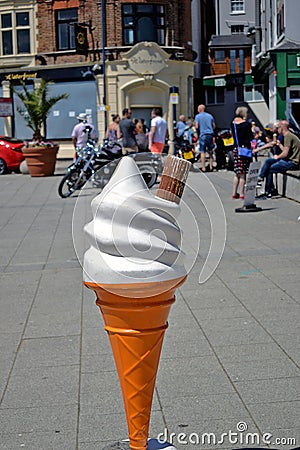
point(219, 82)
point(21, 76)
point(6, 108)
point(52, 74)
point(250, 188)
point(146, 59)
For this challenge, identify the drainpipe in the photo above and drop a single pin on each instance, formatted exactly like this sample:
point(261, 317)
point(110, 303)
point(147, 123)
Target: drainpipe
point(258, 25)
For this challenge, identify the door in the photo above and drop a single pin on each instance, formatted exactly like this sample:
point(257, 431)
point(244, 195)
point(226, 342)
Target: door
point(142, 113)
point(293, 107)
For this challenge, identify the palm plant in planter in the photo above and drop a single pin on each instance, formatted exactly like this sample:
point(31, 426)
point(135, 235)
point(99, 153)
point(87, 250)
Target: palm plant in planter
point(40, 154)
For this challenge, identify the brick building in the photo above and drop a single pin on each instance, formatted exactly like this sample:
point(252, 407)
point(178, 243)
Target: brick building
point(147, 50)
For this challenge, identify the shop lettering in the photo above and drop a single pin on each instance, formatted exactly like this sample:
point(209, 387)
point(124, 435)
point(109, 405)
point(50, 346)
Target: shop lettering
point(140, 60)
point(21, 76)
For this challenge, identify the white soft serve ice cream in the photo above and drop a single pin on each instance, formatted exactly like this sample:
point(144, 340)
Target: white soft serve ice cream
point(134, 236)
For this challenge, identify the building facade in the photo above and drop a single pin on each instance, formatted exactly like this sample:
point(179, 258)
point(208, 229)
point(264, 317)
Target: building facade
point(231, 51)
point(277, 59)
point(130, 54)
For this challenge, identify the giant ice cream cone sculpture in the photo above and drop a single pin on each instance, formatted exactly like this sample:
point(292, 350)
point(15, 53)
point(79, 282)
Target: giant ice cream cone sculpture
point(134, 265)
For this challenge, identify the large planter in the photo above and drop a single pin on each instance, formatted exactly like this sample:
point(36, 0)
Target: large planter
point(40, 160)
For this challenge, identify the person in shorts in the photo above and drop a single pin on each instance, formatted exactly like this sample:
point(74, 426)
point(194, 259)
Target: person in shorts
point(205, 125)
point(158, 131)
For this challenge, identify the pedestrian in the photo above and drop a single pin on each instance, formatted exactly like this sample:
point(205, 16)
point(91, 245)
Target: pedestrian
point(205, 125)
point(128, 130)
point(180, 126)
point(288, 159)
point(242, 133)
point(82, 131)
point(189, 133)
point(158, 131)
point(144, 126)
point(113, 132)
point(141, 136)
point(271, 131)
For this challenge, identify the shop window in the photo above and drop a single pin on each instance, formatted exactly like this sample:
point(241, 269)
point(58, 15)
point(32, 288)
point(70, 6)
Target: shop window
point(219, 55)
point(214, 96)
point(143, 22)
point(295, 94)
point(15, 33)
point(65, 35)
point(254, 93)
point(237, 6)
point(237, 29)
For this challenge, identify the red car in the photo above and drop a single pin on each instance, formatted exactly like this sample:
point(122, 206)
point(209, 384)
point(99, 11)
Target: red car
point(11, 154)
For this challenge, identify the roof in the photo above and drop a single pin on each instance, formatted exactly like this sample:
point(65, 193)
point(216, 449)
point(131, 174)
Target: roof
point(231, 40)
point(286, 44)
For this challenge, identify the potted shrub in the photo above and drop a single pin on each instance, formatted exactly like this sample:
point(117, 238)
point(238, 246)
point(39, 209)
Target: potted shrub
point(39, 153)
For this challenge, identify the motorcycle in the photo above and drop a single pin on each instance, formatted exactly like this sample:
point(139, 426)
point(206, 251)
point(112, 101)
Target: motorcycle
point(185, 150)
point(99, 163)
point(224, 150)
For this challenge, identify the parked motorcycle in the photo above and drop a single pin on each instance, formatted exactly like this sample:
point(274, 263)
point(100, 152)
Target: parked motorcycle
point(99, 163)
point(185, 150)
point(224, 150)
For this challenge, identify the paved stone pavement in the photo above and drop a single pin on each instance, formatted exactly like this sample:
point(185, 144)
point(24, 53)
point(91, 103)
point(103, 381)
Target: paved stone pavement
point(231, 356)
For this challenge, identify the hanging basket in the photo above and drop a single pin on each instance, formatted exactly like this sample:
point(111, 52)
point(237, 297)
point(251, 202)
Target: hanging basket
point(40, 160)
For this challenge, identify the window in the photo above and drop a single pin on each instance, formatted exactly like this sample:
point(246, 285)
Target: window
point(294, 94)
point(15, 33)
point(219, 55)
point(254, 92)
point(241, 61)
point(143, 22)
point(280, 18)
point(237, 29)
point(65, 36)
point(239, 94)
point(237, 6)
point(232, 61)
point(214, 96)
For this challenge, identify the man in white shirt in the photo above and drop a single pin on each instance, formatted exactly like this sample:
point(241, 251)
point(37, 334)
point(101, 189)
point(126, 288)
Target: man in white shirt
point(80, 133)
point(158, 131)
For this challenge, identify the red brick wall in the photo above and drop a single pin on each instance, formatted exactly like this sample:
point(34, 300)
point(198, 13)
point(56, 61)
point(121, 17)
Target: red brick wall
point(178, 24)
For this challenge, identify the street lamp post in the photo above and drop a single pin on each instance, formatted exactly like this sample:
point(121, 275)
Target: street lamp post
point(103, 61)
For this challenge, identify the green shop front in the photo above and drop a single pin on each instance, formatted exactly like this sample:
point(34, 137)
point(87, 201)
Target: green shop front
point(279, 70)
point(287, 64)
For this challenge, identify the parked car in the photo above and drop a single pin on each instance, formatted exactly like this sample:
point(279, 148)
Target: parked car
point(11, 154)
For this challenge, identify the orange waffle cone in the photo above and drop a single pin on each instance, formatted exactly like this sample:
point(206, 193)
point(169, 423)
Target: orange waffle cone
point(136, 327)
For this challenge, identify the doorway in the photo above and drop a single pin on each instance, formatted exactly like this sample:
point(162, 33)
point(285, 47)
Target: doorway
point(142, 113)
point(293, 107)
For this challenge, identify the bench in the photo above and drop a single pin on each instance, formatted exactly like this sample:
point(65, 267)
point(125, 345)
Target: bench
point(288, 184)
